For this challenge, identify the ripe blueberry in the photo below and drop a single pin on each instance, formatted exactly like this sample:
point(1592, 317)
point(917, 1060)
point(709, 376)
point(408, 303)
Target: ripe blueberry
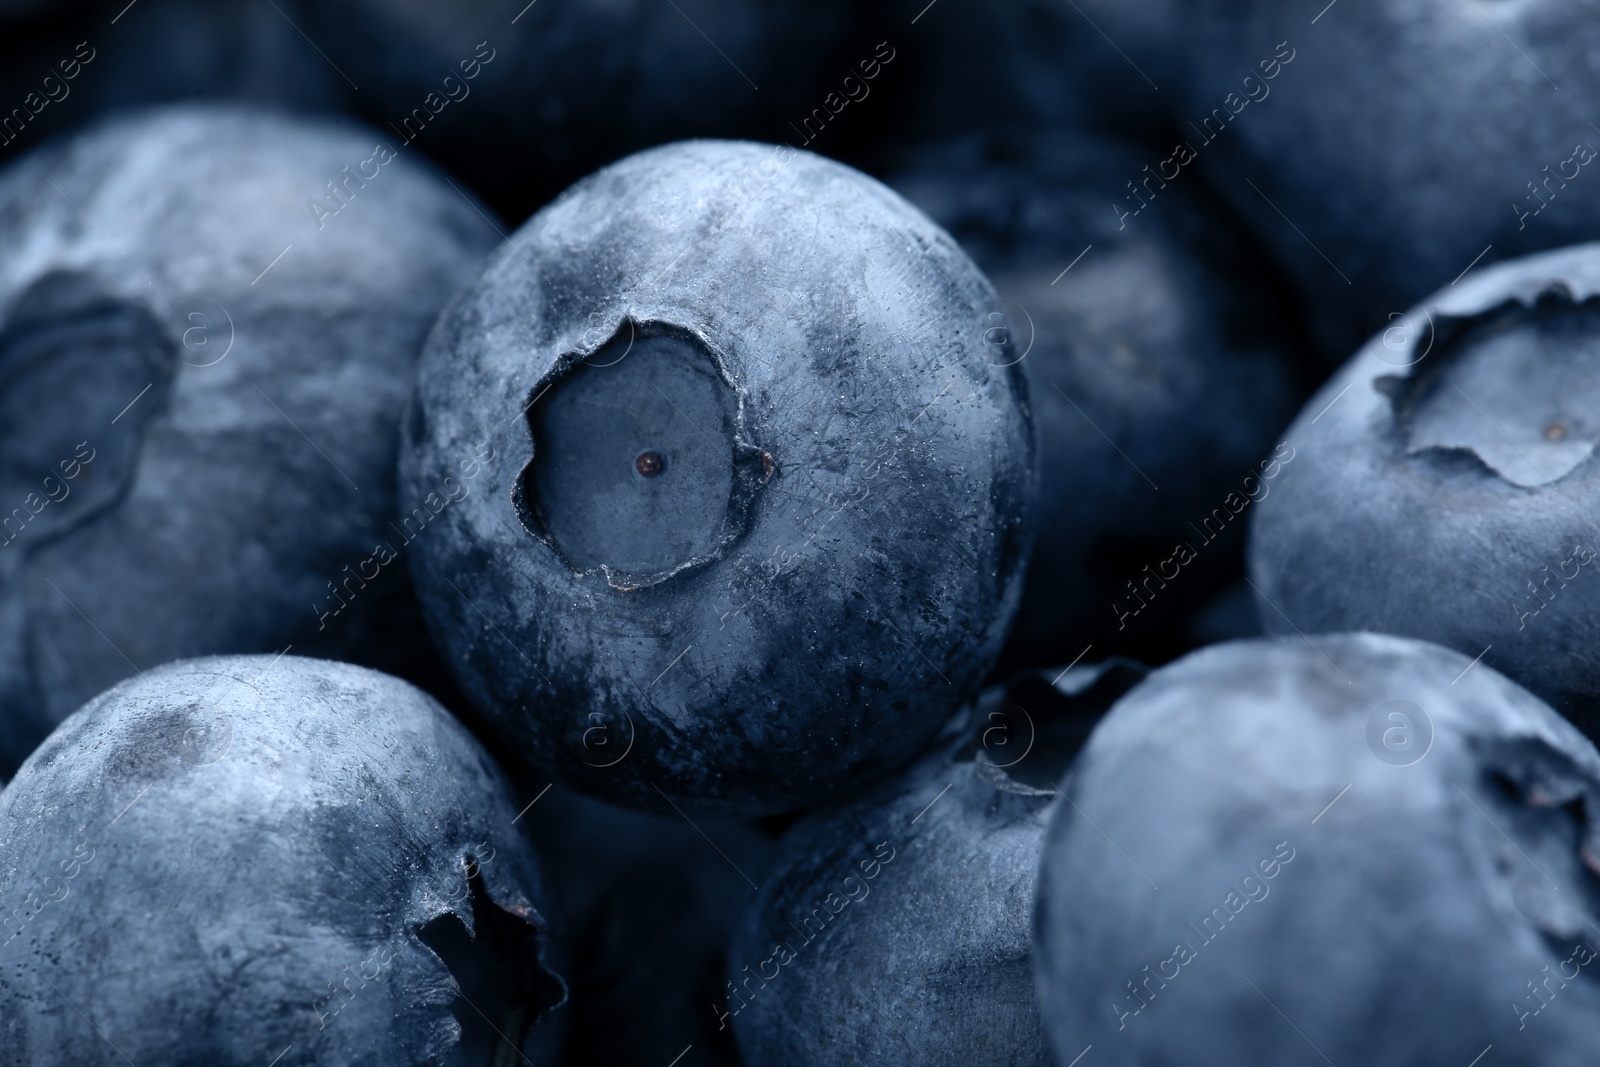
point(200, 396)
point(915, 903)
point(230, 859)
point(1443, 484)
point(1159, 368)
point(1363, 185)
point(828, 559)
point(1362, 850)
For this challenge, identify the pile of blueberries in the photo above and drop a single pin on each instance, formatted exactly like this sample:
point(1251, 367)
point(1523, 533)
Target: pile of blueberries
point(712, 532)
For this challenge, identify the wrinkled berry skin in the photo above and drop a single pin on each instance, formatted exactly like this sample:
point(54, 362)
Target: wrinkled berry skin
point(899, 928)
point(1266, 837)
point(198, 441)
point(829, 610)
point(1358, 145)
point(230, 858)
point(1164, 337)
point(1389, 519)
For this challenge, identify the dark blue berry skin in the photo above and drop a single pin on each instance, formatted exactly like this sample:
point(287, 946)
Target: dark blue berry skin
point(202, 396)
point(1160, 365)
point(1443, 485)
point(899, 928)
point(1265, 836)
point(230, 859)
point(764, 646)
point(1366, 188)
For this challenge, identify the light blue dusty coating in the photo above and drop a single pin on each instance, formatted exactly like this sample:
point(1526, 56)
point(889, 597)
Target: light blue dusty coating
point(231, 522)
point(882, 561)
point(1366, 531)
point(1408, 903)
point(899, 928)
point(230, 856)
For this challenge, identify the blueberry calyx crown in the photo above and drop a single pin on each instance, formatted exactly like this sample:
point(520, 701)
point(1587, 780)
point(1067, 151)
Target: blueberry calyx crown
point(640, 469)
point(1514, 386)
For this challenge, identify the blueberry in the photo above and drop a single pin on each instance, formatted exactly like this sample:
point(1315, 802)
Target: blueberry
point(1364, 186)
point(1362, 850)
point(899, 928)
point(1442, 487)
point(558, 90)
point(1159, 367)
point(200, 396)
point(232, 859)
point(826, 562)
